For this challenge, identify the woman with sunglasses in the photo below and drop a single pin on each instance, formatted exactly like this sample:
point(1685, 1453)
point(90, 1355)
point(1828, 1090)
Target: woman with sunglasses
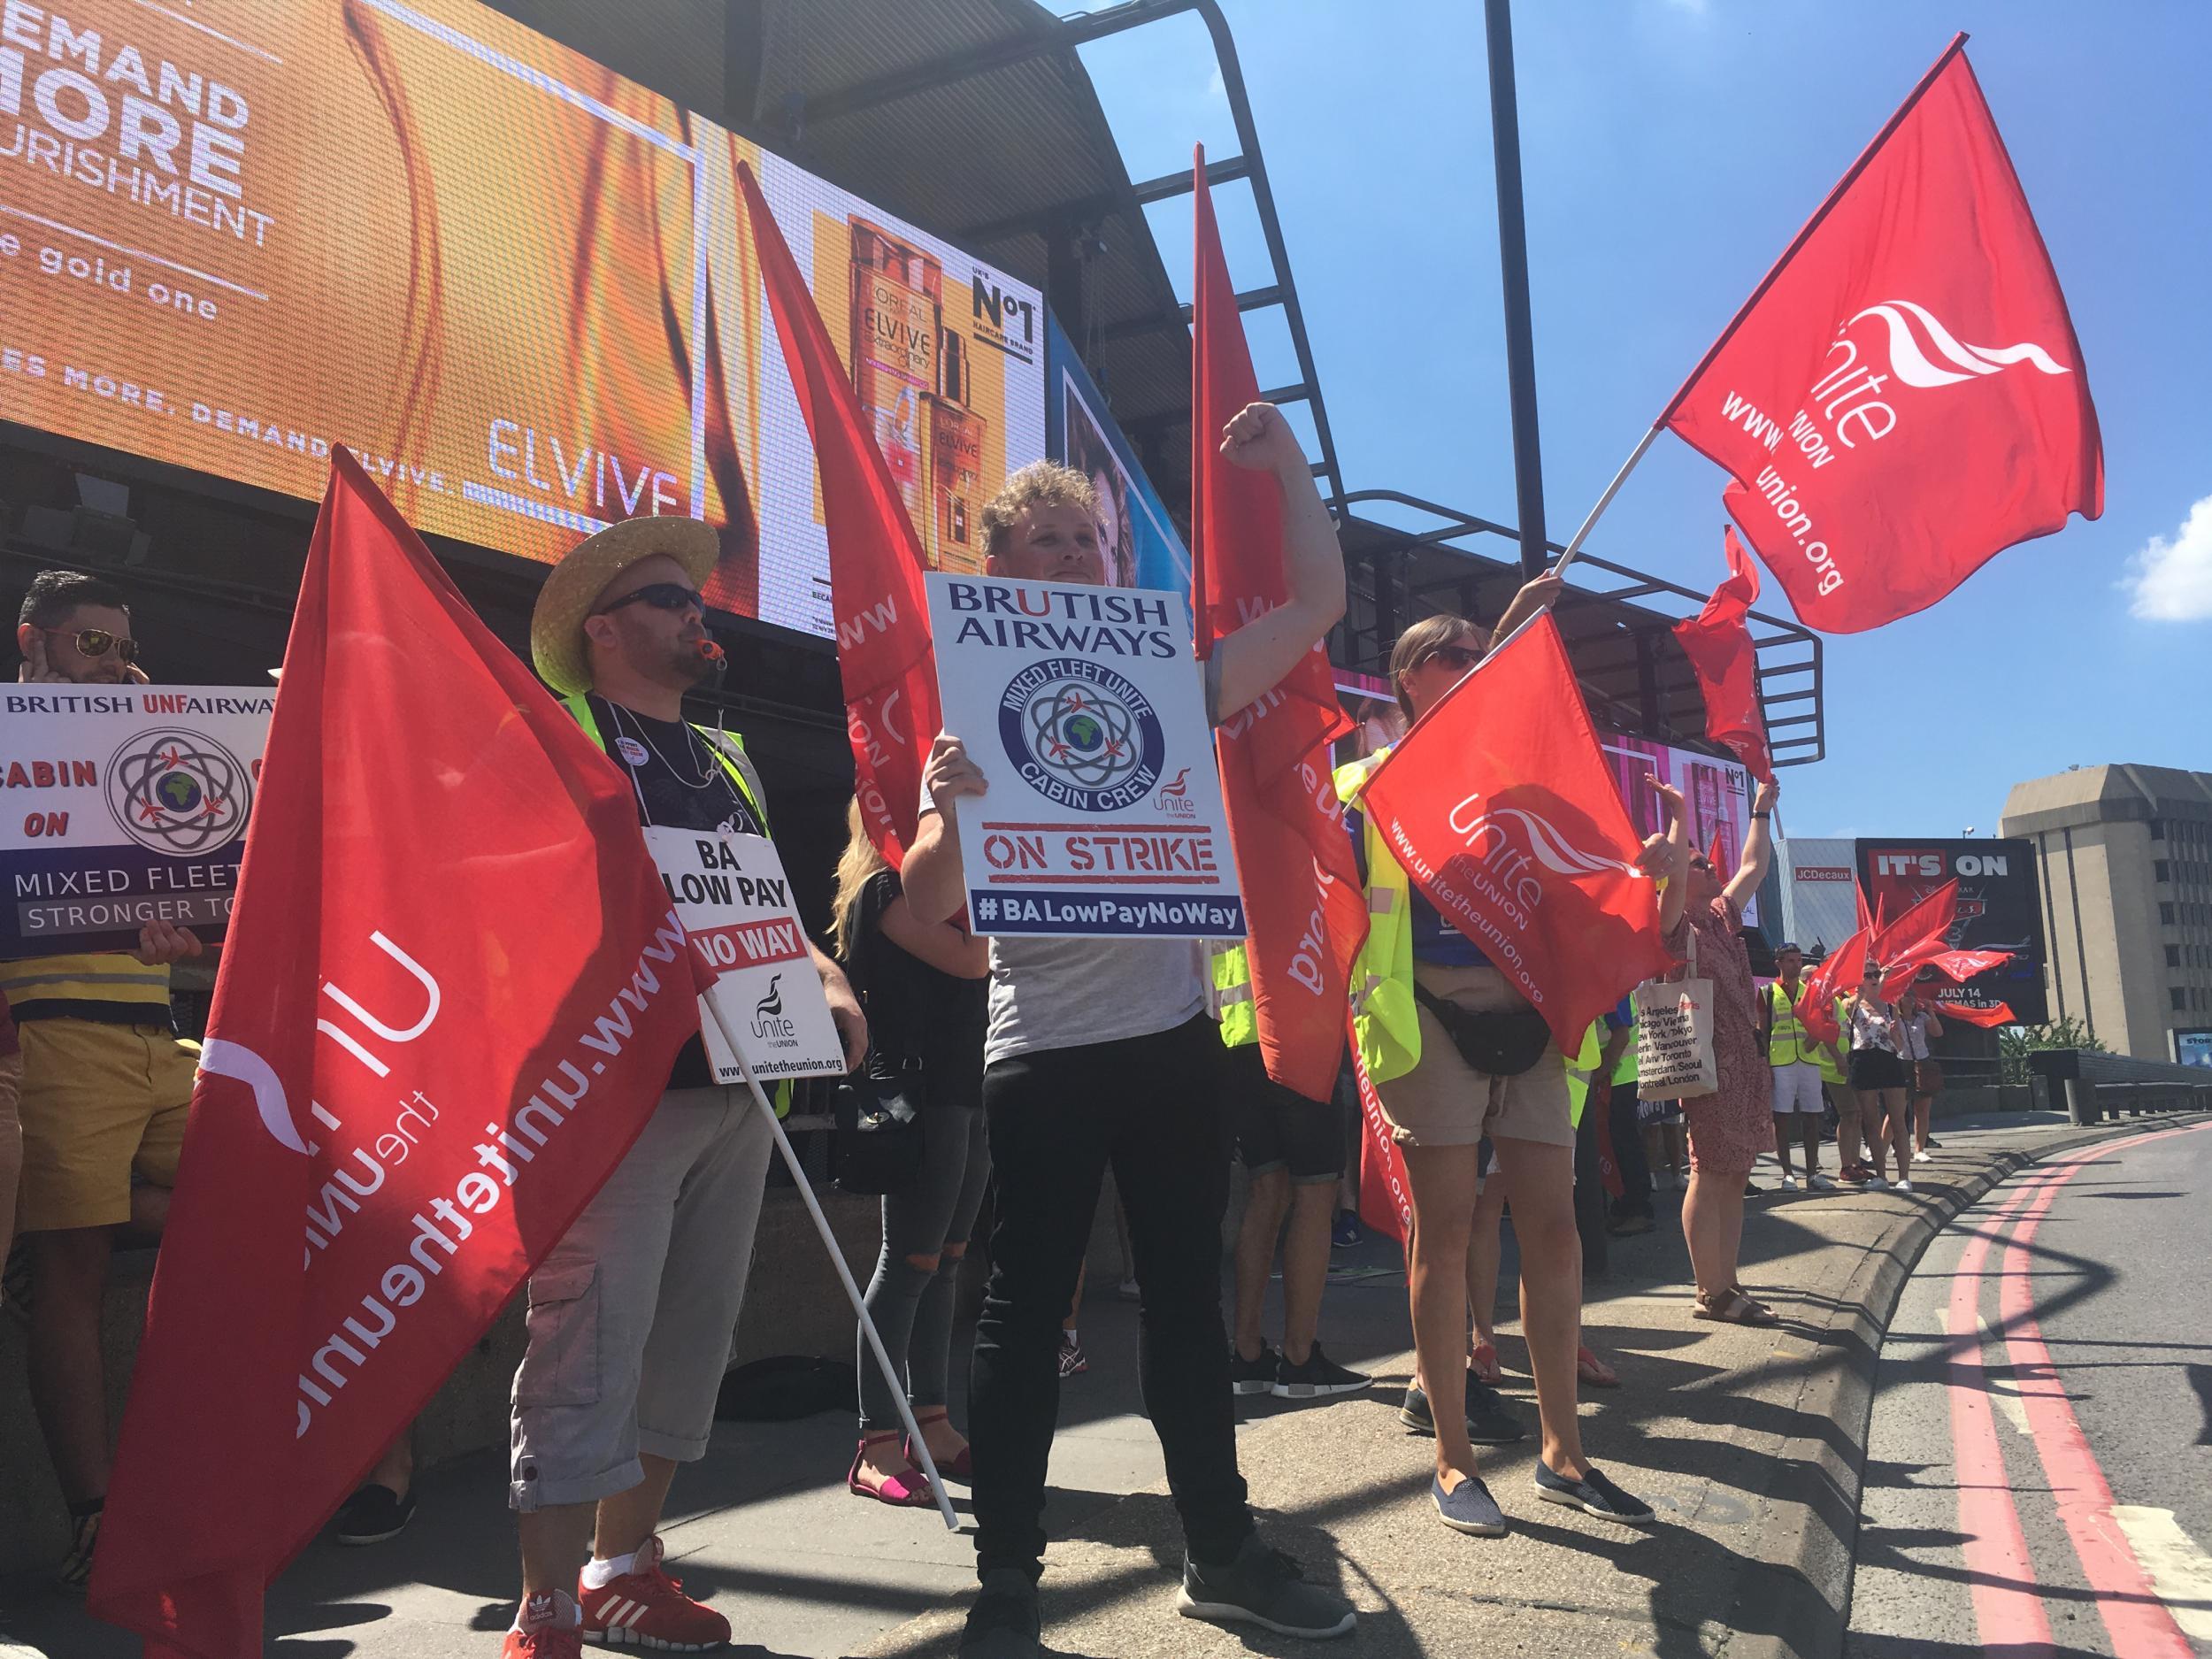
point(1439, 1109)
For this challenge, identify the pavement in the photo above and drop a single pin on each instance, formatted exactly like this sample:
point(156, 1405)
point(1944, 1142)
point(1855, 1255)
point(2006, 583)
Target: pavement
point(1989, 1523)
point(1748, 1442)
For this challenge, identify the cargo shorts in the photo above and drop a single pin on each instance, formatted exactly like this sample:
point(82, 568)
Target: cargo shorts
point(631, 1315)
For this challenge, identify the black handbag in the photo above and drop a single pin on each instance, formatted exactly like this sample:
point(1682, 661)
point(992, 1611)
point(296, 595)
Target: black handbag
point(877, 1146)
point(1502, 1044)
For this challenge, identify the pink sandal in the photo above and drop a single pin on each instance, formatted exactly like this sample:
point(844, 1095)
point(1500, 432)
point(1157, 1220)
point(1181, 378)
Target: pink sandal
point(908, 1491)
point(1483, 1361)
point(1594, 1371)
point(961, 1468)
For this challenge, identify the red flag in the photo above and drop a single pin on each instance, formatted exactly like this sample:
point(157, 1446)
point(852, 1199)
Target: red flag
point(1959, 966)
point(1858, 898)
point(448, 937)
point(884, 655)
point(1926, 922)
point(1386, 1198)
point(1840, 971)
point(1717, 855)
point(1903, 398)
point(1502, 808)
point(1993, 1015)
point(1718, 644)
point(1305, 910)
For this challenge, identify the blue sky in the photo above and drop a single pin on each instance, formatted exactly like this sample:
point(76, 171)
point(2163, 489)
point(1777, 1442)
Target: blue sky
point(1671, 150)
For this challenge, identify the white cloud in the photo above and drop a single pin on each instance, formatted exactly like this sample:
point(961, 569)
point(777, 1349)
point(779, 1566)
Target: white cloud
point(2172, 579)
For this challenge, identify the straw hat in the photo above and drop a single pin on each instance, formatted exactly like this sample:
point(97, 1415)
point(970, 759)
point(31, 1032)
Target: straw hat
point(570, 593)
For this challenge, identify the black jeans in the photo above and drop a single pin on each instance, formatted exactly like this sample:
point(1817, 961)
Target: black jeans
point(1152, 1107)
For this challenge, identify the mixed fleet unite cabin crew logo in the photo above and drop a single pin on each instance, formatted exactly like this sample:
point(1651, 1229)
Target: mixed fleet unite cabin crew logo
point(1082, 735)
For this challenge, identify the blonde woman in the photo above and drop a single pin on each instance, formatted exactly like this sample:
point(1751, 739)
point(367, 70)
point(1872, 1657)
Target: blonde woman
point(922, 984)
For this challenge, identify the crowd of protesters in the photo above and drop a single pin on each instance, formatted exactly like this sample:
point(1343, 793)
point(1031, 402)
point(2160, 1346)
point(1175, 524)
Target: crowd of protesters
point(1035, 1065)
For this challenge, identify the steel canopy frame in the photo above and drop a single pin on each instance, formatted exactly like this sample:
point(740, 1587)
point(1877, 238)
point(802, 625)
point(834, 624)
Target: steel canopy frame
point(1790, 654)
point(1786, 678)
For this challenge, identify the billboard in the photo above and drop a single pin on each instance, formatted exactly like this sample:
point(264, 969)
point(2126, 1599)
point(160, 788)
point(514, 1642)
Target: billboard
point(2194, 1047)
point(516, 284)
point(1717, 793)
point(1820, 887)
point(2000, 908)
point(1142, 546)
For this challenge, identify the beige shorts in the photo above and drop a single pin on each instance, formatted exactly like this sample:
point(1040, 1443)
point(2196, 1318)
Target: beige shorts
point(1444, 1102)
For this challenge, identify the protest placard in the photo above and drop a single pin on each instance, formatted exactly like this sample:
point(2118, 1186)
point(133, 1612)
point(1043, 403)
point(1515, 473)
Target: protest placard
point(121, 805)
point(735, 901)
point(1085, 711)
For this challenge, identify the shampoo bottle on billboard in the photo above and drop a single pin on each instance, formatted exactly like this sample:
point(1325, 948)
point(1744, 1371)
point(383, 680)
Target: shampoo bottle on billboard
point(897, 324)
point(956, 451)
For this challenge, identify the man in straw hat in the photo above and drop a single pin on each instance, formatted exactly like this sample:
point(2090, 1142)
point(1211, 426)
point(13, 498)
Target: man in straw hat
point(631, 1314)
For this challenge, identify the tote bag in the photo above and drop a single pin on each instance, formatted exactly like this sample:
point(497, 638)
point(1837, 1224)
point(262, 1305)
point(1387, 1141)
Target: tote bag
point(1674, 1036)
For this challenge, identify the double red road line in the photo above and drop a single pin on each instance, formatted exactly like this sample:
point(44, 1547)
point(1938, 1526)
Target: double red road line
point(2007, 1606)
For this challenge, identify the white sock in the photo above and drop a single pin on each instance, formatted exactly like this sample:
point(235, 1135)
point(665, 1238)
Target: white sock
point(598, 1573)
point(568, 1615)
point(1067, 1335)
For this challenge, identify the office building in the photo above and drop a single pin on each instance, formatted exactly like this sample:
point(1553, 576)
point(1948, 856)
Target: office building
point(2125, 857)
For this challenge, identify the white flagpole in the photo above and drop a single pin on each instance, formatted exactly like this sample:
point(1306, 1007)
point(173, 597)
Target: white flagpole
point(1605, 501)
point(844, 1273)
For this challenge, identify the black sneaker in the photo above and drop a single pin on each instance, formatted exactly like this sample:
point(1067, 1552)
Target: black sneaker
point(1490, 1421)
point(1593, 1494)
point(1265, 1587)
point(1320, 1378)
point(1253, 1376)
point(1002, 1624)
point(372, 1515)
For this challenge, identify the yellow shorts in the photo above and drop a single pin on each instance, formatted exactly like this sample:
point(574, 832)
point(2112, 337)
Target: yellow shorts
point(99, 1102)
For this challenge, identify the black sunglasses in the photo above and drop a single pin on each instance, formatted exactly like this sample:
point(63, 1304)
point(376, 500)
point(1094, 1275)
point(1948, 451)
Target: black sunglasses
point(97, 642)
point(1460, 657)
point(660, 595)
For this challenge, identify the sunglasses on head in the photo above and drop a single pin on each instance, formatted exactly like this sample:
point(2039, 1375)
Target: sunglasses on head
point(97, 642)
point(660, 595)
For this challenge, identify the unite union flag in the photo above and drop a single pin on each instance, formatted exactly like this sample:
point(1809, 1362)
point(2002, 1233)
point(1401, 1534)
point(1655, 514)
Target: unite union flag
point(885, 661)
point(450, 992)
point(1501, 807)
point(1903, 398)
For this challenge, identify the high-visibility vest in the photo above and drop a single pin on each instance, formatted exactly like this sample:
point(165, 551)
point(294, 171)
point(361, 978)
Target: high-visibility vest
point(716, 741)
point(1582, 1071)
point(1625, 1068)
point(1790, 1042)
point(1386, 1019)
point(1233, 995)
point(1831, 1071)
point(108, 985)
